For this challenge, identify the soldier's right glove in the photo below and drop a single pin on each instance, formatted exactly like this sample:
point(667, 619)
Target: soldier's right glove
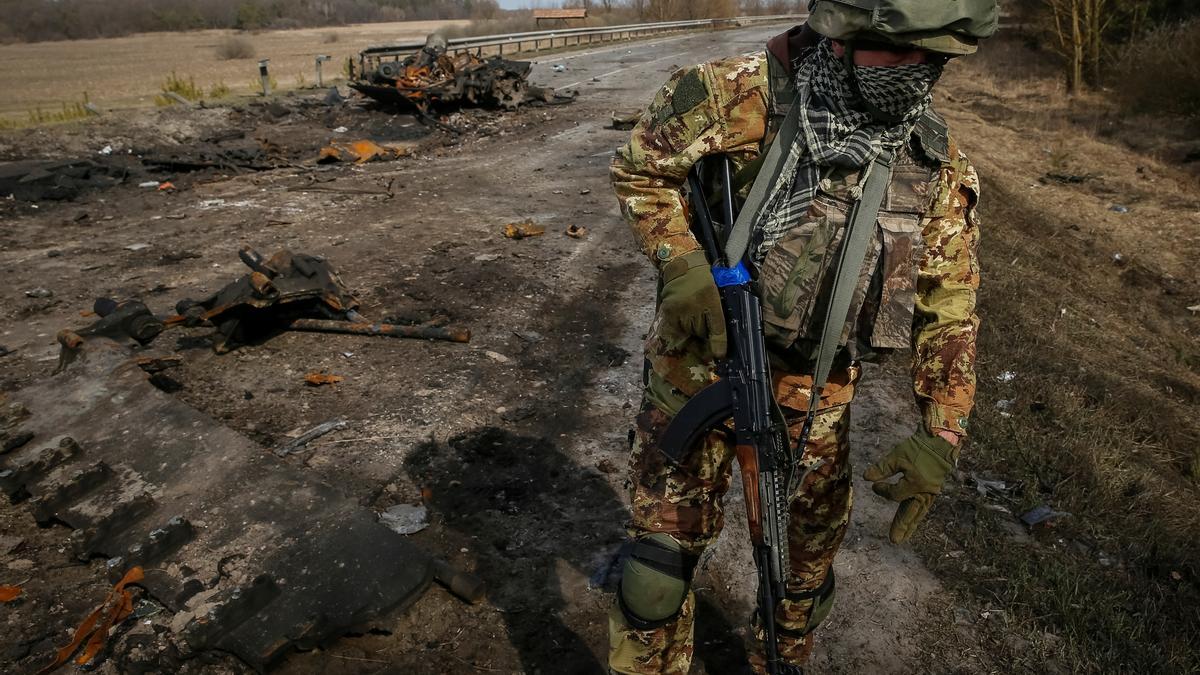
point(691, 305)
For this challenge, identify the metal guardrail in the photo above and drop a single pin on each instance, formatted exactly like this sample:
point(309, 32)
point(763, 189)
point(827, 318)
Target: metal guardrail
point(550, 39)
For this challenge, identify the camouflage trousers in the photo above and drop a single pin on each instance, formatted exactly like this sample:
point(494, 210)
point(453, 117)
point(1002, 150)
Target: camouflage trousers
point(685, 502)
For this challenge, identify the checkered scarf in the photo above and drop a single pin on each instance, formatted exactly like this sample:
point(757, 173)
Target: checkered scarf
point(837, 131)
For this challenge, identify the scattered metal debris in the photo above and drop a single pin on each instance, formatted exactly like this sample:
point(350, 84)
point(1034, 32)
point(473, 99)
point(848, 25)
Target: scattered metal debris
point(985, 485)
point(624, 121)
point(309, 436)
point(1042, 515)
point(357, 326)
point(321, 379)
point(433, 80)
point(405, 518)
point(57, 180)
point(523, 229)
point(279, 289)
point(124, 321)
point(282, 293)
point(95, 628)
point(360, 152)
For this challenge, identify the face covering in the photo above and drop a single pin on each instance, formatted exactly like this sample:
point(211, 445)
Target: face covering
point(897, 94)
point(849, 114)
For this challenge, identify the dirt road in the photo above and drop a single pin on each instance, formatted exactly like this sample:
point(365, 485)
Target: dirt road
point(519, 439)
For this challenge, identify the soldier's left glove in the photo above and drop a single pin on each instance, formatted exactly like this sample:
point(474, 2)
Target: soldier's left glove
point(926, 461)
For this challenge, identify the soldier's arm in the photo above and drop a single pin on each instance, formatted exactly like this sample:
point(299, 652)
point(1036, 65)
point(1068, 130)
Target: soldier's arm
point(702, 110)
point(944, 342)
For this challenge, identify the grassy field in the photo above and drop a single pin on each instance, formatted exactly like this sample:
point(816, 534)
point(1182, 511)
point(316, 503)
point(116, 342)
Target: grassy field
point(1089, 382)
point(129, 71)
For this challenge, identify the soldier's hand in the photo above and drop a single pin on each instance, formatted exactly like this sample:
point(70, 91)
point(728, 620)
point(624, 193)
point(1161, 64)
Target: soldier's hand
point(691, 305)
point(925, 461)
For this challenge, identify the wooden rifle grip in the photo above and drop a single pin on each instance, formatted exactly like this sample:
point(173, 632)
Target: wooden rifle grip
point(747, 457)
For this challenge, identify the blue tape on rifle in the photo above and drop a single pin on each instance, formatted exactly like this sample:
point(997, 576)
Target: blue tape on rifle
point(731, 276)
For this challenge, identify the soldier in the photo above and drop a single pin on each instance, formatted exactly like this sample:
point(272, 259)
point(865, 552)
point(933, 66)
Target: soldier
point(861, 74)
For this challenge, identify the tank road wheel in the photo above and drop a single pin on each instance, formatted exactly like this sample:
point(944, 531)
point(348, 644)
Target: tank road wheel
point(510, 91)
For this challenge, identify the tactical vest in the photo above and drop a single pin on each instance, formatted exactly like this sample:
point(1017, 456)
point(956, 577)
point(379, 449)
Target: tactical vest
point(794, 281)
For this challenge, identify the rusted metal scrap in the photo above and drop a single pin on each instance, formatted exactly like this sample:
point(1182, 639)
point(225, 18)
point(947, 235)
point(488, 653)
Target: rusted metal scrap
point(360, 152)
point(130, 320)
point(421, 332)
point(278, 289)
point(291, 291)
point(433, 79)
point(286, 292)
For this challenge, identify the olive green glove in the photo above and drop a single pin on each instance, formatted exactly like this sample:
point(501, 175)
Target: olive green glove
point(691, 305)
point(925, 460)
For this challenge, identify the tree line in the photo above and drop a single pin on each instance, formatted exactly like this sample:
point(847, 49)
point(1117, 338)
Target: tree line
point(1092, 35)
point(30, 21)
point(36, 20)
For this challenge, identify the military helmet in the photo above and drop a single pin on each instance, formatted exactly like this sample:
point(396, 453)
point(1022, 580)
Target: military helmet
point(951, 27)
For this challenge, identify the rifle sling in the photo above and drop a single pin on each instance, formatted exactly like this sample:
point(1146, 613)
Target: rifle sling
point(772, 163)
point(860, 230)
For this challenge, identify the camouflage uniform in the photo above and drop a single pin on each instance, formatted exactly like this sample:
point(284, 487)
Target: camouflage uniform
point(722, 108)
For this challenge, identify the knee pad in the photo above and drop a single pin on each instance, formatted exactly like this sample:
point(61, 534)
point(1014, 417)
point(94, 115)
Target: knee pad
point(822, 603)
point(655, 581)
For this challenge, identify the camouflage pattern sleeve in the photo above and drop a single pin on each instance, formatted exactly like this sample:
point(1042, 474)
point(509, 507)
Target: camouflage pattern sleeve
point(711, 108)
point(944, 341)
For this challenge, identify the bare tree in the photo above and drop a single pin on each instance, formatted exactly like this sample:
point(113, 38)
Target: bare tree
point(1080, 27)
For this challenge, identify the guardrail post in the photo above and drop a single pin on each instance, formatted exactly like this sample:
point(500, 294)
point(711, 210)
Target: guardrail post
point(321, 58)
point(264, 76)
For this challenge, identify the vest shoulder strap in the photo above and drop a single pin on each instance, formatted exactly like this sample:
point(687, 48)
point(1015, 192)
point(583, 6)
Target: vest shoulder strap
point(781, 91)
point(932, 137)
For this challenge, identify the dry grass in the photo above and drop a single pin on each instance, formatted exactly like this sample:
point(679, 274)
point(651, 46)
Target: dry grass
point(235, 47)
point(180, 86)
point(1161, 72)
point(1100, 420)
point(66, 112)
point(127, 72)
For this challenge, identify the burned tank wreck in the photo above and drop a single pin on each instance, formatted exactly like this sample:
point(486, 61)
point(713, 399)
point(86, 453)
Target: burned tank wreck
point(436, 80)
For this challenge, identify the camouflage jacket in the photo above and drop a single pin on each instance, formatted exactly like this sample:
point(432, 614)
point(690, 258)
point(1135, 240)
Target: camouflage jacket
point(722, 108)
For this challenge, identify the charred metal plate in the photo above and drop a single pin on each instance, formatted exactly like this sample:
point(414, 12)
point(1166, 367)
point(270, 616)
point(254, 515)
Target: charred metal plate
point(252, 554)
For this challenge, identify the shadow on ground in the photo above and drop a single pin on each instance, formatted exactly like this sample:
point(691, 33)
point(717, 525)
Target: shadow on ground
point(537, 514)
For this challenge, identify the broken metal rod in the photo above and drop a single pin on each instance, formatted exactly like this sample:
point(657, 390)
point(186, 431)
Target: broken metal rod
point(390, 330)
point(309, 436)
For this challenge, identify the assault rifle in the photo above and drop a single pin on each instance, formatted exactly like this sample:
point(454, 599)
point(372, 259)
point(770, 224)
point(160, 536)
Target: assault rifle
point(743, 393)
